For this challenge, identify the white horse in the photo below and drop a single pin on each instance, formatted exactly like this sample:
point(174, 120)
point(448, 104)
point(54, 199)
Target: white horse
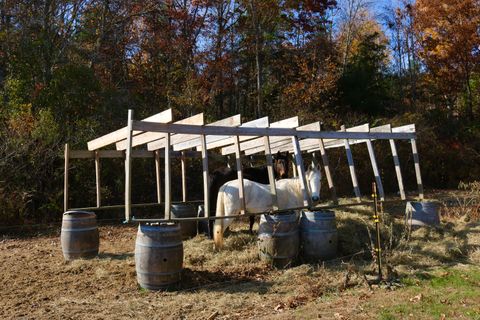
point(259, 199)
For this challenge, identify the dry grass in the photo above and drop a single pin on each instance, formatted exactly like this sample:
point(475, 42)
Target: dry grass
point(231, 284)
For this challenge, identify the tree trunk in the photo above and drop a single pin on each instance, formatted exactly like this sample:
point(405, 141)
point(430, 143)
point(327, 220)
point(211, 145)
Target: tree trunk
point(258, 59)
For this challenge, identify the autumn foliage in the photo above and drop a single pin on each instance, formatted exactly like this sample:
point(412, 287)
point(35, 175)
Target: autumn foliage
point(69, 70)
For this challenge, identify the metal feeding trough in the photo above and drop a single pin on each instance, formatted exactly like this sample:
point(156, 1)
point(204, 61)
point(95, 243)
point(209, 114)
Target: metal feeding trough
point(422, 214)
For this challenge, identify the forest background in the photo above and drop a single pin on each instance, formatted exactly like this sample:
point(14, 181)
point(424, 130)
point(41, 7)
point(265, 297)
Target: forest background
point(69, 70)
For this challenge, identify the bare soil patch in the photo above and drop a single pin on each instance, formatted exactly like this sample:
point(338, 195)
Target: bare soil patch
point(36, 283)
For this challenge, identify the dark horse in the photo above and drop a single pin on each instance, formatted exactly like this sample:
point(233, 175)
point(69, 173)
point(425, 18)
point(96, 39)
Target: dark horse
point(281, 165)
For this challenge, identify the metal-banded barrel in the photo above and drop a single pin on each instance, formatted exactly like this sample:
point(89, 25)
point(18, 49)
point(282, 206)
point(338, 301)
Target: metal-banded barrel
point(278, 239)
point(185, 210)
point(79, 235)
point(158, 255)
point(422, 213)
point(318, 234)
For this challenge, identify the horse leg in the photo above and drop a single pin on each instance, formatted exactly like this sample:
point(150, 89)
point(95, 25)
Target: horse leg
point(252, 222)
point(211, 224)
point(218, 226)
point(218, 234)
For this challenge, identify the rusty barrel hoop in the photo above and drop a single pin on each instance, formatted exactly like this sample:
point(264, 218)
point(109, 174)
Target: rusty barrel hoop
point(318, 234)
point(158, 255)
point(278, 239)
point(79, 236)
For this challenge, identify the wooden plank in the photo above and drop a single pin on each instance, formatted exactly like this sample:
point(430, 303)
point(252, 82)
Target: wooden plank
point(418, 174)
point(157, 176)
point(168, 179)
point(307, 199)
point(241, 189)
point(398, 171)
point(128, 168)
point(337, 143)
point(271, 176)
point(121, 134)
point(206, 180)
point(260, 142)
point(275, 144)
point(65, 177)
point(294, 167)
point(406, 128)
point(326, 166)
point(112, 154)
point(97, 179)
point(311, 144)
point(258, 123)
point(351, 166)
point(246, 133)
point(233, 121)
point(328, 173)
point(382, 128)
point(184, 177)
point(148, 137)
point(196, 120)
point(376, 172)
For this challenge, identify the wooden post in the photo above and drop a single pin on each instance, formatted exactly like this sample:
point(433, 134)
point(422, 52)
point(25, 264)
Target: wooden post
point(184, 177)
point(376, 172)
point(294, 168)
point(271, 177)
point(65, 177)
point(97, 179)
point(241, 189)
point(307, 199)
point(206, 182)
point(128, 168)
point(326, 167)
point(418, 174)
point(157, 176)
point(351, 166)
point(168, 178)
point(396, 161)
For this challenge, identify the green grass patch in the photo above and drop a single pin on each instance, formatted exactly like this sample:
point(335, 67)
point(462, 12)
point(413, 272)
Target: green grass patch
point(448, 293)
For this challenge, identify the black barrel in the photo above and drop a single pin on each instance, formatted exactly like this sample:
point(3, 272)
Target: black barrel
point(278, 239)
point(422, 213)
point(79, 236)
point(318, 234)
point(185, 210)
point(158, 255)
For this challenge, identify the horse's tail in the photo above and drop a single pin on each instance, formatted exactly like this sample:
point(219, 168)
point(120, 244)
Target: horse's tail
point(220, 212)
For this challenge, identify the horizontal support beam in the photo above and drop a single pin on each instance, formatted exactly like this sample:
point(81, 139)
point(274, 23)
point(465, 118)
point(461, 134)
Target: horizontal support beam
point(148, 137)
point(229, 140)
point(259, 142)
point(282, 211)
point(233, 121)
point(112, 154)
point(272, 132)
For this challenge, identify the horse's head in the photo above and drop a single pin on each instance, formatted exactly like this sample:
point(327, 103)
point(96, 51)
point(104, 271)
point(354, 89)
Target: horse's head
point(314, 176)
point(282, 164)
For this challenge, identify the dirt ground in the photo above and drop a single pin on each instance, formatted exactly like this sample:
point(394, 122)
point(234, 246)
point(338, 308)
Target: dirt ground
point(36, 282)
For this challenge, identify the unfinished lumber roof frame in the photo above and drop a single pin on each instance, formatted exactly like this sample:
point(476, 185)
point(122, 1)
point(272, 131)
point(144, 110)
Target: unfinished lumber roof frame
point(191, 137)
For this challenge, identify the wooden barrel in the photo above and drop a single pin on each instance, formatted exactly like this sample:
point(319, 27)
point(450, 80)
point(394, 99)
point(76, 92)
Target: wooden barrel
point(278, 239)
point(318, 234)
point(422, 213)
point(79, 235)
point(158, 255)
point(185, 210)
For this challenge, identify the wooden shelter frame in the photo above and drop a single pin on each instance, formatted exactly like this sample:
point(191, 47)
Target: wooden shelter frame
point(192, 137)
